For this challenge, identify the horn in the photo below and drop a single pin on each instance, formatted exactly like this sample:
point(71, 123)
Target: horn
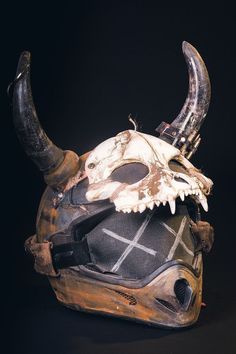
point(183, 131)
point(57, 165)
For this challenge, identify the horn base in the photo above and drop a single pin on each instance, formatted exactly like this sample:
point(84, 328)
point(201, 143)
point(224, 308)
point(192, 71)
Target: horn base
point(68, 168)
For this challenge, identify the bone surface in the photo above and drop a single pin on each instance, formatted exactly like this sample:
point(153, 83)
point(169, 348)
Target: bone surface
point(159, 186)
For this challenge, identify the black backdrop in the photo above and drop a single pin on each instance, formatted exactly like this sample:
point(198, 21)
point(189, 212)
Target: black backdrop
point(93, 63)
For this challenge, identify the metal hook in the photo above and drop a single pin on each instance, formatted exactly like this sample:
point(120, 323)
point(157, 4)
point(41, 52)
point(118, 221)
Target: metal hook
point(133, 121)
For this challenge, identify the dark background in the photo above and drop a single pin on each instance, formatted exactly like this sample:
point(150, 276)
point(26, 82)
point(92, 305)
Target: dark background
point(93, 63)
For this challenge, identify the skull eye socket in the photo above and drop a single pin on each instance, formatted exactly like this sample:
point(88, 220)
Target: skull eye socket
point(179, 179)
point(130, 173)
point(177, 167)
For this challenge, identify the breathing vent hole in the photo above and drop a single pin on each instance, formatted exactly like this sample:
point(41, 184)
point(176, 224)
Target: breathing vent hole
point(130, 298)
point(166, 304)
point(182, 290)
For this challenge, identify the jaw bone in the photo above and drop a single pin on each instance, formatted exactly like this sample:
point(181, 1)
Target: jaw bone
point(196, 194)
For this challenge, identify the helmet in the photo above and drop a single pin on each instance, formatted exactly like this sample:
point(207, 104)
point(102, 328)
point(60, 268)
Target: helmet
point(118, 229)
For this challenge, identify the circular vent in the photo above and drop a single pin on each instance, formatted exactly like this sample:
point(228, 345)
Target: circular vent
point(182, 291)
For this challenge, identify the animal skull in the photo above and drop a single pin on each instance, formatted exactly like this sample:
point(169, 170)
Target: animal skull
point(159, 186)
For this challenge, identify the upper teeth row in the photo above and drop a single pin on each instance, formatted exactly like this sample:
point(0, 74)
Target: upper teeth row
point(142, 206)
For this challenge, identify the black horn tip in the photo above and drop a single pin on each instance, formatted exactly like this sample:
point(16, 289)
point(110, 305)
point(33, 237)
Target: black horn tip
point(23, 64)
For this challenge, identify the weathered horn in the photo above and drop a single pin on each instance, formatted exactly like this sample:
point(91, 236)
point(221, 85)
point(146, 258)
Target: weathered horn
point(183, 131)
point(57, 165)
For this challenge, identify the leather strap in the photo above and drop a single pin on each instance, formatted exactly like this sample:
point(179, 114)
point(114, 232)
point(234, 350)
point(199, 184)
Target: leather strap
point(71, 254)
point(49, 258)
point(204, 234)
point(42, 256)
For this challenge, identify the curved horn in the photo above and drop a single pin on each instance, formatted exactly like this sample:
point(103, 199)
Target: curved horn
point(183, 131)
point(56, 164)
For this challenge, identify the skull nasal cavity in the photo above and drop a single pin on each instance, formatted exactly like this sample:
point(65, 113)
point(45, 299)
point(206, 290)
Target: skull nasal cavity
point(130, 173)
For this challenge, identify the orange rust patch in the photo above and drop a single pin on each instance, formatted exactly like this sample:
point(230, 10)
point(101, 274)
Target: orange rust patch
point(151, 183)
point(79, 292)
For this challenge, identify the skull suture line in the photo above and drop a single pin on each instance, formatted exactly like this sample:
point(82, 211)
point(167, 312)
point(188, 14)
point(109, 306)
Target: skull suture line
point(159, 186)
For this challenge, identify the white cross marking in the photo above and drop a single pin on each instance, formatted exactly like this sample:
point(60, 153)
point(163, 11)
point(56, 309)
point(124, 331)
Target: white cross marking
point(178, 238)
point(181, 241)
point(132, 243)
